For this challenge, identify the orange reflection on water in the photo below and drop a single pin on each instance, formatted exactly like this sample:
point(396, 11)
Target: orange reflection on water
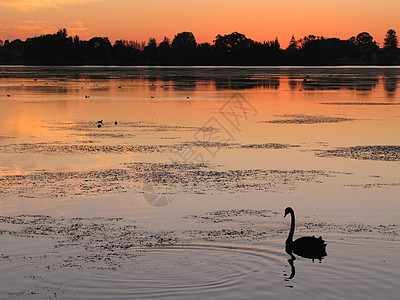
point(170, 109)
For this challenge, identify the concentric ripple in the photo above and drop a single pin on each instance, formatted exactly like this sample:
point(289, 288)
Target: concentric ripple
point(211, 271)
point(198, 270)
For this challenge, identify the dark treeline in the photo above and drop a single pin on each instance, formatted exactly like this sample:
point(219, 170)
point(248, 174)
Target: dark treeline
point(231, 49)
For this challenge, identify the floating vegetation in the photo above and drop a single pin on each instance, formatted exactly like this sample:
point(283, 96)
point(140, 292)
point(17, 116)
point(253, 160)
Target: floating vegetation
point(375, 185)
point(359, 103)
point(58, 148)
point(268, 146)
point(258, 225)
point(101, 242)
point(107, 135)
point(382, 153)
point(3, 137)
point(138, 126)
point(221, 216)
point(89, 148)
point(87, 142)
point(307, 119)
point(194, 178)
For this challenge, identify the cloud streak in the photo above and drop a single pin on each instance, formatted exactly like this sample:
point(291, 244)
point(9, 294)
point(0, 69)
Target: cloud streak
point(27, 5)
point(27, 29)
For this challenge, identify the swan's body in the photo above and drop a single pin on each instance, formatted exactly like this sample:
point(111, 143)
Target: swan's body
point(306, 246)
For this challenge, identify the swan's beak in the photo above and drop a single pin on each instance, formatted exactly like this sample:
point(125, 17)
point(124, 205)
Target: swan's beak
point(285, 214)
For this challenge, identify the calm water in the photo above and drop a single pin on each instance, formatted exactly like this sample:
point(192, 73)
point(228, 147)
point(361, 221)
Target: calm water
point(179, 190)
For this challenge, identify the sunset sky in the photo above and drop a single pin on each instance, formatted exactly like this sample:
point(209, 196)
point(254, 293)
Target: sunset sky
point(259, 20)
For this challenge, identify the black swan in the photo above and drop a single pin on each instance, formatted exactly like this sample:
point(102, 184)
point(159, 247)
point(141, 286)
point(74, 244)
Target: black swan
point(306, 246)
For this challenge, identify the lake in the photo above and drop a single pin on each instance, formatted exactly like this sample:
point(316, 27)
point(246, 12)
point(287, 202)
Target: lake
point(171, 182)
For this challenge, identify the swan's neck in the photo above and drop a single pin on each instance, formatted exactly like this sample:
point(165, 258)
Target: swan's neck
point(291, 232)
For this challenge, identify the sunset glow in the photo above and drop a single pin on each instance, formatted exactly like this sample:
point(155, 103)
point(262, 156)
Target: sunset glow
point(139, 20)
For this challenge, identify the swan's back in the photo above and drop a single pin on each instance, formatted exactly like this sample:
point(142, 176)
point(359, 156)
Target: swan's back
point(309, 247)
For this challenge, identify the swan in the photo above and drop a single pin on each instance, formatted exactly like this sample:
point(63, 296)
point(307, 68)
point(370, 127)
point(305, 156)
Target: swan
point(306, 246)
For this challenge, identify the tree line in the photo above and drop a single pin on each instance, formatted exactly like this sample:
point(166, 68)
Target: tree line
point(230, 49)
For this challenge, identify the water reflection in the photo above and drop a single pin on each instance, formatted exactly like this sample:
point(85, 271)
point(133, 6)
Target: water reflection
point(294, 84)
point(237, 78)
point(306, 246)
point(334, 82)
point(390, 85)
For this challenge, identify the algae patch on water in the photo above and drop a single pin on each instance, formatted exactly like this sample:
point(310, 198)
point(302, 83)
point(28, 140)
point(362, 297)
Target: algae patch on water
point(193, 178)
point(307, 119)
point(380, 152)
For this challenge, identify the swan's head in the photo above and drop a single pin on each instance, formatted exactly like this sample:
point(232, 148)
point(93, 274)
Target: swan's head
point(288, 210)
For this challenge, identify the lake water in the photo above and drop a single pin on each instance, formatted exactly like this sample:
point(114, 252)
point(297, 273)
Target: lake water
point(140, 182)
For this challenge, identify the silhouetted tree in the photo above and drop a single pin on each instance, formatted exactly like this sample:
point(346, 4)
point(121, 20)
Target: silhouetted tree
point(152, 43)
point(49, 49)
point(292, 53)
point(205, 54)
point(62, 32)
point(166, 43)
point(391, 41)
point(150, 51)
point(367, 48)
point(164, 50)
point(321, 51)
point(365, 39)
point(230, 41)
point(184, 40)
point(230, 49)
point(293, 45)
point(12, 52)
point(184, 46)
point(275, 44)
point(125, 52)
point(76, 40)
point(235, 48)
point(98, 50)
point(302, 42)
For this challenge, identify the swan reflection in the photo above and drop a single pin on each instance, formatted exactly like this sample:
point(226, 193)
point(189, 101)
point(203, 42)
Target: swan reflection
point(306, 246)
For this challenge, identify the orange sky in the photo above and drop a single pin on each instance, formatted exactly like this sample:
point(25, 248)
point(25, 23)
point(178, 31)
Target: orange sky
point(258, 19)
